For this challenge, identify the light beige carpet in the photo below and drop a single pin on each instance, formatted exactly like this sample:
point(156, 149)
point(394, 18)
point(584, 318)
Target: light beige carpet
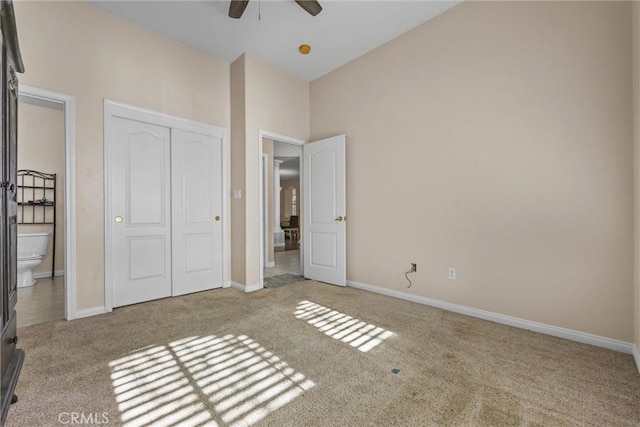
point(310, 354)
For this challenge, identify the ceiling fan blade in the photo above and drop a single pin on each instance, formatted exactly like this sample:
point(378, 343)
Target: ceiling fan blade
point(237, 7)
point(311, 6)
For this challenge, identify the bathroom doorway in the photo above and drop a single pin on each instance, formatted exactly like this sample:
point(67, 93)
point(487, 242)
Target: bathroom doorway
point(44, 165)
point(282, 211)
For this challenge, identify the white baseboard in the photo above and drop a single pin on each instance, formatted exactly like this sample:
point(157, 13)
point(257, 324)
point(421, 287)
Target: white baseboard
point(46, 274)
point(279, 245)
point(246, 288)
point(556, 331)
point(270, 264)
point(88, 312)
point(253, 288)
point(237, 286)
point(636, 357)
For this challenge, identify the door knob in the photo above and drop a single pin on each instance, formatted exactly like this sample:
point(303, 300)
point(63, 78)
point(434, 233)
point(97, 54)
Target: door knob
point(217, 217)
point(118, 219)
point(339, 219)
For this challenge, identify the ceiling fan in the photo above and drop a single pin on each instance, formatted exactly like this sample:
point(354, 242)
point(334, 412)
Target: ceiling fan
point(237, 7)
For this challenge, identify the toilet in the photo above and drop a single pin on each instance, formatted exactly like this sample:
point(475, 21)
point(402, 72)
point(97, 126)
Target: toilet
point(32, 247)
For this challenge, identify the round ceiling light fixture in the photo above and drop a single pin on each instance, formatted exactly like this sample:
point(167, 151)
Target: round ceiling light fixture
point(304, 49)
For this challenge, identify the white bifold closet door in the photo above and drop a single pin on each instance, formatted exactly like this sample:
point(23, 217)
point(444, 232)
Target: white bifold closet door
point(141, 211)
point(166, 205)
point(196, 184)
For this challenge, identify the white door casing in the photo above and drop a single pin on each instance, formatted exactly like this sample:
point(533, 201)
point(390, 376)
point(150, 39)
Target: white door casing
point(67, 103)
point(140, 211)
point(196, 182)
point(325, 210)
point(265, 211)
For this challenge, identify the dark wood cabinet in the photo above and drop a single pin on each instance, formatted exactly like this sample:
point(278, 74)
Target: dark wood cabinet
point(11, 357)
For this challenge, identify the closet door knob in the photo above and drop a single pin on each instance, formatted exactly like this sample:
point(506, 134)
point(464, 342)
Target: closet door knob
point(118, 219)
point(217, 217)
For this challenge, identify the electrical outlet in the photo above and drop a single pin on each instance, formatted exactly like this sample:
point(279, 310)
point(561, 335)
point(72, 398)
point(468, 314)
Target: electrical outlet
point(414, 267)
point(452, 273)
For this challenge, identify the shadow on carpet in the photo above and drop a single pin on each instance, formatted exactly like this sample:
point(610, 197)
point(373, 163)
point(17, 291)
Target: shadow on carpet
point(282, 279)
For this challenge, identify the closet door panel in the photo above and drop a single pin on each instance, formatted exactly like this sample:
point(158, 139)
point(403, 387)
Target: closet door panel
point(197, 175)
point(140, 211)
point(146, 169)
point(196, 212)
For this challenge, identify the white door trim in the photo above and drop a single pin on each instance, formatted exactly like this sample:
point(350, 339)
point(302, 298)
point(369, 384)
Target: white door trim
point(116, 109)
point(67, 103)
point(287, 140)
point(265, 212)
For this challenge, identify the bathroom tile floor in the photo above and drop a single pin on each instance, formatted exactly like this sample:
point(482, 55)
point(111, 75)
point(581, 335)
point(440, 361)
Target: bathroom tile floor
point(42, 302)
point(286, 262)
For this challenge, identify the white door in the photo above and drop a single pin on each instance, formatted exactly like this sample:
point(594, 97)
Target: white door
point(197, 211)
point(324, 210)
point(141, 211)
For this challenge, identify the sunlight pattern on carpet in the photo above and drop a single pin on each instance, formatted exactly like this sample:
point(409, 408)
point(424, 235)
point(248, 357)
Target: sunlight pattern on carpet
point(203, 381)
point(361, 335)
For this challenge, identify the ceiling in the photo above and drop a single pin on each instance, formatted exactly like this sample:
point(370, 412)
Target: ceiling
point(343, 31)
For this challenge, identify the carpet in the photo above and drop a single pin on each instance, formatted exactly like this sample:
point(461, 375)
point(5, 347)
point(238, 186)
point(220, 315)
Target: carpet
point(311, 354)
point(282, 279)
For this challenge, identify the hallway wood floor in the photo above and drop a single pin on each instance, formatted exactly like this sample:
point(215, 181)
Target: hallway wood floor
point(42, 302)
point(286, 262)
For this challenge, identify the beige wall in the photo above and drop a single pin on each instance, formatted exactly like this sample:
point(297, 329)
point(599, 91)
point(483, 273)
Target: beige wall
point(267, 148)
point(277, 102)
point(505, 129)
point(41, 148)
point(238, 212)
point(79, 50)
point(496, 139)
point(636, 166)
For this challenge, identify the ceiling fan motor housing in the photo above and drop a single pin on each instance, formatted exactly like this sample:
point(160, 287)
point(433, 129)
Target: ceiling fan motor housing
point(237, 7)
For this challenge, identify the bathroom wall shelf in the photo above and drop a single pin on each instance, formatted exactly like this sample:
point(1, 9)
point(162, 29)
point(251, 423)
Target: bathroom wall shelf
point(36, 202)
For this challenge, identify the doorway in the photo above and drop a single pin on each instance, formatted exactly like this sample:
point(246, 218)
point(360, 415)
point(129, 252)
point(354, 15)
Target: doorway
point(322, 218)
point(281, 201)
point(46, 283)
